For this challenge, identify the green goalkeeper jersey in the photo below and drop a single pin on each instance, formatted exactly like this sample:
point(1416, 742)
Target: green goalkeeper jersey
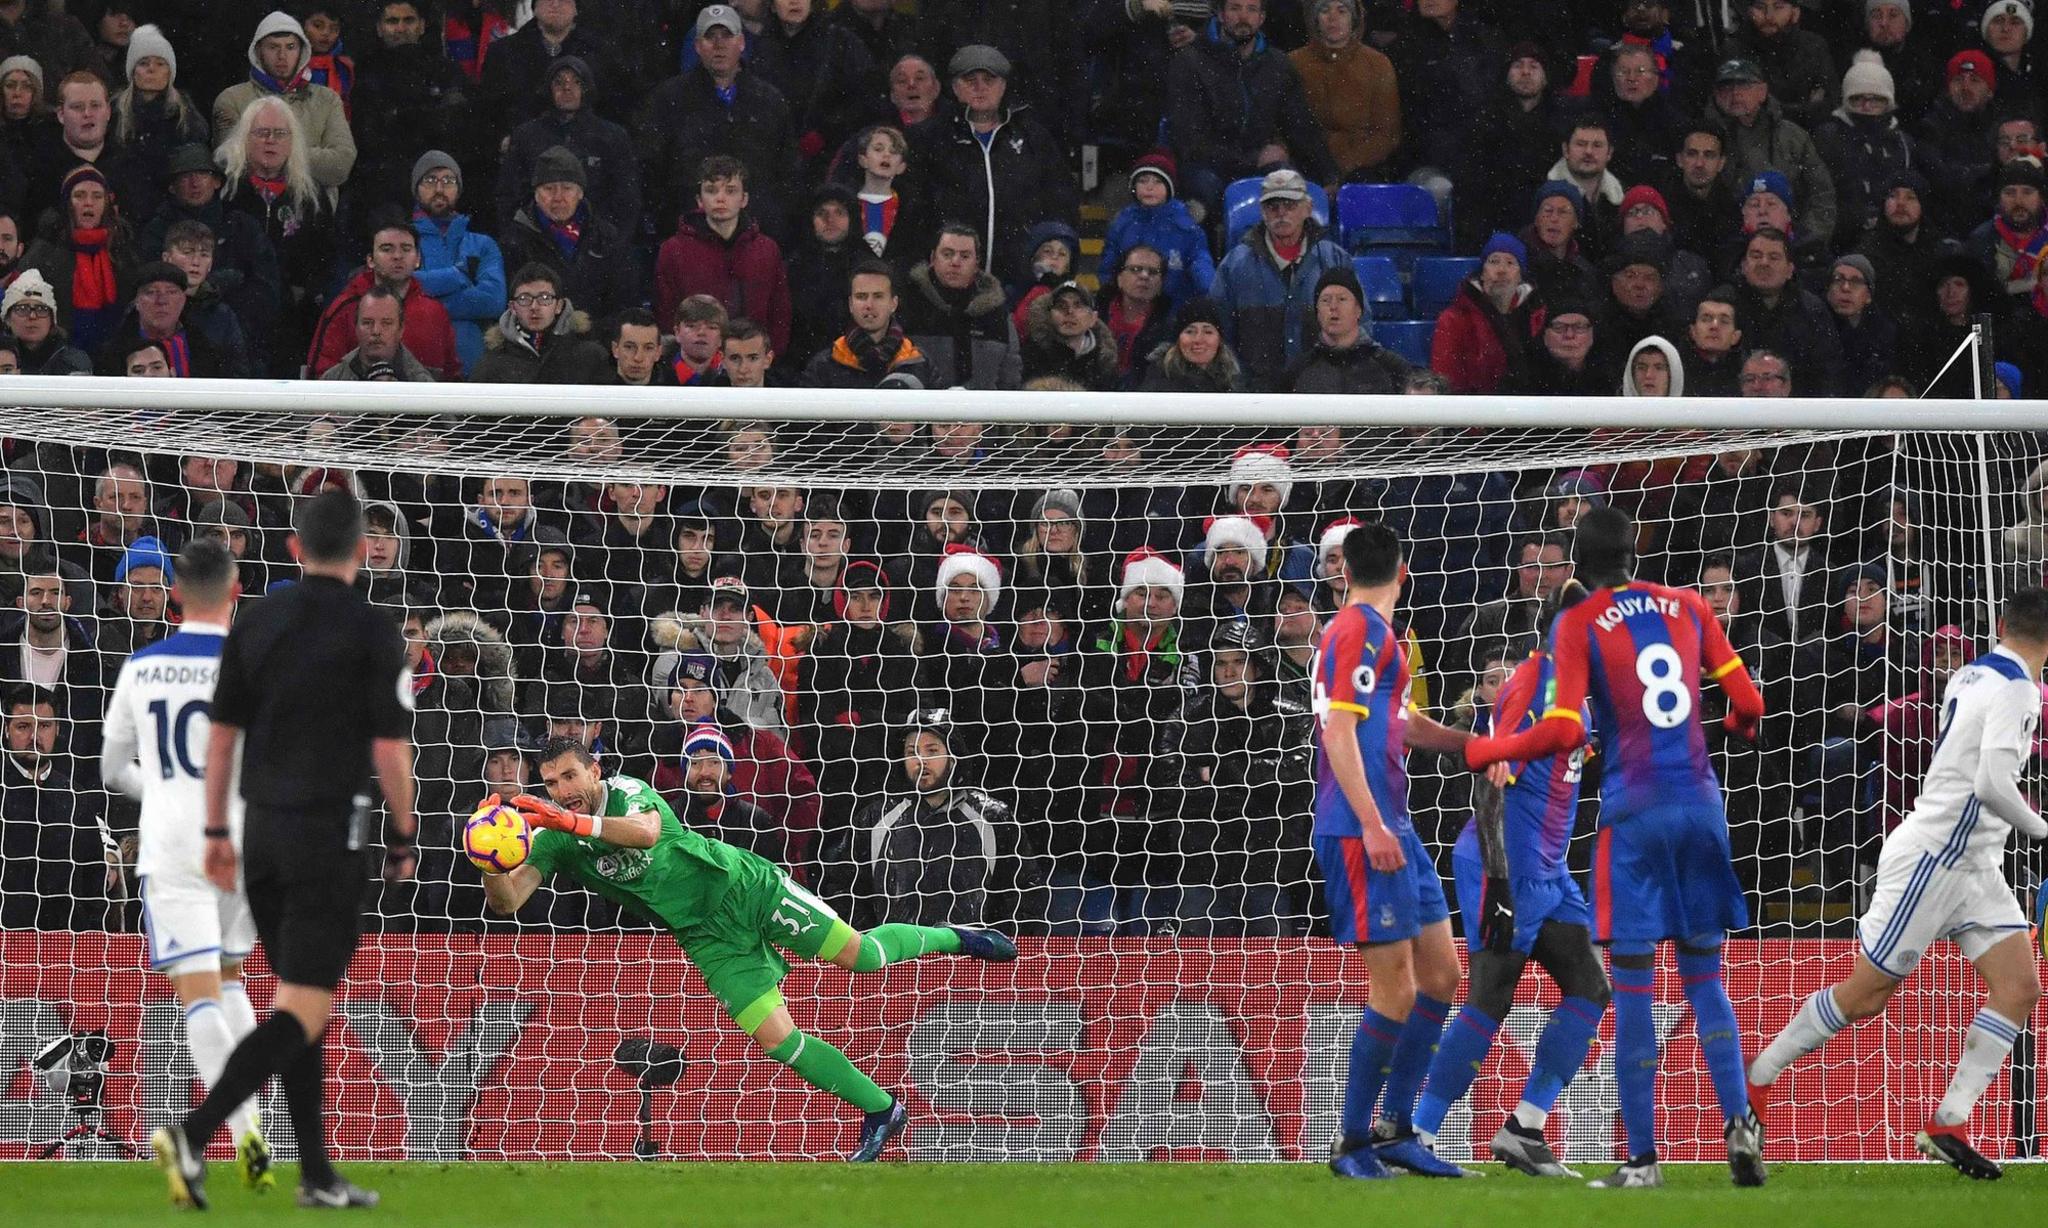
point(678, 883)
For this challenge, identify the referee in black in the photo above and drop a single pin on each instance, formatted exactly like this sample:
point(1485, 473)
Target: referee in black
point(314, 693)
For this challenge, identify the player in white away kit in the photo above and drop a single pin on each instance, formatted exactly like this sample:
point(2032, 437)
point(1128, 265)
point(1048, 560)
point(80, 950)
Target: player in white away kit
point(1940, 876)
point(155, 749)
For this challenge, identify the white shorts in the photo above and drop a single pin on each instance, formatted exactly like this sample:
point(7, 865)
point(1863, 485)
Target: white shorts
point(1917, 900)
point(193, 925)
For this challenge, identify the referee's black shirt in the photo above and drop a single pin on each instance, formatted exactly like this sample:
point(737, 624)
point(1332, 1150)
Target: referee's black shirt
point(311, 674)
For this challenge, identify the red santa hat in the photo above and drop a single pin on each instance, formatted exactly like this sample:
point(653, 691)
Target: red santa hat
point(1244, 532)
point(961, 560)
point(1147, 568)
point(1334, 534)
point(1262, 462)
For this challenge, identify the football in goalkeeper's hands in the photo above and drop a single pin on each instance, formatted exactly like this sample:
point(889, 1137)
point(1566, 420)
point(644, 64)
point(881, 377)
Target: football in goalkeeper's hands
point(496, 838)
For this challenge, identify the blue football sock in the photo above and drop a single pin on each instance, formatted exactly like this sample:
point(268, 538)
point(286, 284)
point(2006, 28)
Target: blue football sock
point(1635, 1056)
point(1713, 1016)
point(1458, 1058)
point(1372, 1052)
point(1412, 1056)
point(1561, 1050)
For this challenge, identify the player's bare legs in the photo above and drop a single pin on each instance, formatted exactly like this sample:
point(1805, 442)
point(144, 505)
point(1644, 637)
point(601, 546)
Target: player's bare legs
point(217, 1017)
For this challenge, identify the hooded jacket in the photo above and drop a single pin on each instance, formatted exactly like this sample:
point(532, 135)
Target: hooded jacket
point(960, 862)
point(1353, 94)
point(752, 690)
point(1027, 287)
point(1628, 368)
point(1862, 154)
point(745, 272)
point(1169, 371)
point(610, 163)
point(1045, 353)
point(566, 355)
point(1169, 229)
point(1476, 347)
point(330, 146)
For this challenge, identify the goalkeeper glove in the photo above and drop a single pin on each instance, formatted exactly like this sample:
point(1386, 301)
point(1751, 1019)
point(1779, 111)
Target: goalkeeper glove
point(543, 813)
point(1497, 916)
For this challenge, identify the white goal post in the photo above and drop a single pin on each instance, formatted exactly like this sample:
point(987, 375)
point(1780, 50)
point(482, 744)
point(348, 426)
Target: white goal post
point(1138, 785)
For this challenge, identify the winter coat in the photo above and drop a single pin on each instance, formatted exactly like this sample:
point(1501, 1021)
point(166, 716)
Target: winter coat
point(1354, 96)
point(1644, 134)
point(1774, 142)
point(1453, 524)
point(1170, 230)
point(961, 862)
point(514, 85)
point(1802, 329)
point(1042, 40)
point(1019, 179)
point(683, 123)
point(427, 331)
point(1862, 153)
point(602, 277)
point(53, 852)
point(1445, 78)
point(55, 39)
point(974, 345)
point(55, 357)
point(1222, 108)
point(465, 272)
point(1476, 347)
point(820, 281)
point(610, 164)
point(156, 133)
point(1967, 143)
point(1870, 350)
point(303, 234)
point(855, 687)
point(1364, 367)
point(245, 265)
point(752, 689)
point(1044, 353)
point(406, 100)
point(1501, 154)
point(330, 146)
point(1169, 371)
point(838, 366)
point(1267, 312)
point(1801, 72)
point(822, 69)
point(745, 272)
point(567, 356)
point(410, 369)
point(51, 255)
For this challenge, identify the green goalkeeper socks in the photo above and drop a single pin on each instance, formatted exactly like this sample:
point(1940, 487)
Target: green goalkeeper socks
point(827, 1069)
point(892, 944)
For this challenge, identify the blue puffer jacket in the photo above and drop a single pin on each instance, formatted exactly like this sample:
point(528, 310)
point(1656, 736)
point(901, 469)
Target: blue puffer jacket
point(1170, 230)
point(466, 272)
point(1266, 316)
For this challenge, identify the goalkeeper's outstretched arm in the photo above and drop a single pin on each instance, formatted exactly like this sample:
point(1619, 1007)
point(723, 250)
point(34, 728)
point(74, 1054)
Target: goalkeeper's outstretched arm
point(507, 893)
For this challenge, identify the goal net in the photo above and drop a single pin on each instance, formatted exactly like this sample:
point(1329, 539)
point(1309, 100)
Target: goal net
point(1112, 601)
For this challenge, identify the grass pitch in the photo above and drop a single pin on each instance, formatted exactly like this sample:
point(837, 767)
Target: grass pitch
point(989, 1196)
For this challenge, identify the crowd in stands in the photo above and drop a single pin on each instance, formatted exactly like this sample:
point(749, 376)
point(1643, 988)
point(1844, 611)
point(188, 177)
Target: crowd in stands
point(1069, 709)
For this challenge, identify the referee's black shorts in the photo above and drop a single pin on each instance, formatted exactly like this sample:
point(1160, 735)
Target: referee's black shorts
point(306, 901)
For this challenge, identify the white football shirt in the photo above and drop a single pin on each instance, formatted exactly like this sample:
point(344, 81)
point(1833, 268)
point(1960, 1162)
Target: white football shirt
point(157, 731)
point(1991, 703)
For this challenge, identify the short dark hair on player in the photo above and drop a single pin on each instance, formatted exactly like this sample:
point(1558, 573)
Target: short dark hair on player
point(1372, 554)
point(329, 526)
point(2026, 614)
point(206, 568)
point(555, 748)
point(1604, 543)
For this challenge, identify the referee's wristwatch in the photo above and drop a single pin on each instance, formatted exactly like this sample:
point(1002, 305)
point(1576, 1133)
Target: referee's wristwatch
point(217, 833)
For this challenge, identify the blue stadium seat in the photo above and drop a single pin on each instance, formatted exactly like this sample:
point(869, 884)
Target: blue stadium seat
point(1241, 208)
point(1384, 297)
point(1372, 215)
point(1436, 282)
point(1408, 338)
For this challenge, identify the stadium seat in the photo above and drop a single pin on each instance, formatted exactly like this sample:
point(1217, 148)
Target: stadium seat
point(1384, 296)
point(1372, 214)
point(1241, 208)
point(1408, 338)
point(1436, 281)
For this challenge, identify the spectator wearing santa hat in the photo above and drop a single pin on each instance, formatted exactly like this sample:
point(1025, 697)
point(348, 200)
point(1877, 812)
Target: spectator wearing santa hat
point(1231, 587)
point(1328, 594)
point(968, 668)
point(1132, 698)
point(1261, 481)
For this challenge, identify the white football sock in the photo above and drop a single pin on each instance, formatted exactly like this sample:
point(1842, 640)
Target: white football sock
point(1985, 1047)
point(208, 1036)
point(241, 1017)
point(1529, 1117)
point(1816, 1022)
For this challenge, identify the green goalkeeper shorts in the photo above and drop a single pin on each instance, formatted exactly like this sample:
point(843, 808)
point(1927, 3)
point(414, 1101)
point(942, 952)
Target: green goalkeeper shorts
point(735, 951)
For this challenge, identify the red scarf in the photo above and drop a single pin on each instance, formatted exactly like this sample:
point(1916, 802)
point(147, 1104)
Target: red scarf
point(2029, 255)
point(271, 188)
point(1138, 654)
point(1125, 328)
point(92, 271)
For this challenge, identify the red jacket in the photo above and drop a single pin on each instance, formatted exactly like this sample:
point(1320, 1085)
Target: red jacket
point(746, 274)
point(1471, 345)
point(428, 332)
point(767, 773)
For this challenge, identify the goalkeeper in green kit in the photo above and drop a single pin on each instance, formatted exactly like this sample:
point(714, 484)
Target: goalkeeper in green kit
point(726, 907)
